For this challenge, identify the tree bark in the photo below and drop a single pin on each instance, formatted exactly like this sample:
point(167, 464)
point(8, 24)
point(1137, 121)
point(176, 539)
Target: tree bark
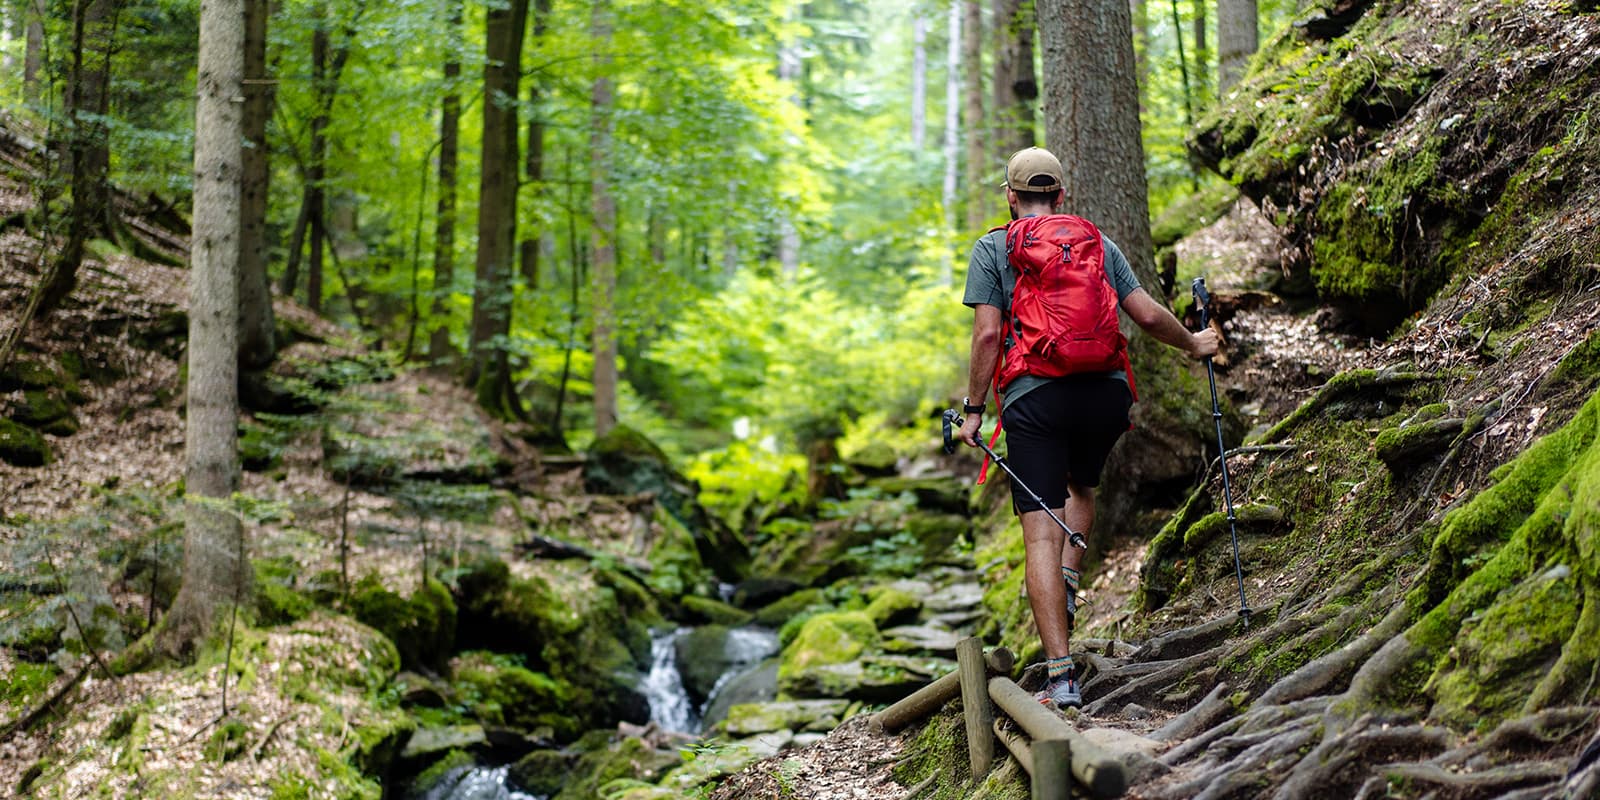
point(603, 279)
point(440, 352)
point(316, 175)
point(497, 207)
point(1092, 120)
point(33, 48)
point(1237, 40)
point(919, 81)
point(972, 119)
point(213, 555)
point(88, 149)
point(256, 346)
point(1202, 56)
point(1016, 84)
point(534, 166)
point(952, 125)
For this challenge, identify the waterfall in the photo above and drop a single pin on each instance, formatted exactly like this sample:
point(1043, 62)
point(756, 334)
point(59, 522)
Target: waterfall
point(476, 783)
point(745, 648)
point(663, 686)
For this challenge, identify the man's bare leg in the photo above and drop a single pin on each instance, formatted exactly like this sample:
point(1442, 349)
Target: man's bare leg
point(1079, 516)
point(1047, 594)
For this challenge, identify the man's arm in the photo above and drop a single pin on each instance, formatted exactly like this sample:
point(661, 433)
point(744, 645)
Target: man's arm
point(1157, 321)
point(980, 371)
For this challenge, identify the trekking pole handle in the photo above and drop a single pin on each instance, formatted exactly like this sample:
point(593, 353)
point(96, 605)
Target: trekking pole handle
point(951, 421)
point(1202, 299)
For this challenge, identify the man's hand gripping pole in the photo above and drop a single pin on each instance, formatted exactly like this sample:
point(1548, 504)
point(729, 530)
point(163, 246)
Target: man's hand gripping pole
point(952, 421)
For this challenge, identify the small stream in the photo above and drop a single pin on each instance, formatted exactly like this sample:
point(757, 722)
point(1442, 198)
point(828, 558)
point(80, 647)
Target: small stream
point(662, 686)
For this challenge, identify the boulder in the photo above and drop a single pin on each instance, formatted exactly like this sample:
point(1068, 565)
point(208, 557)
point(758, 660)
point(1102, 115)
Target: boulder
point(706, 656)
point(912, 639)
point(762, 590)
point(433, 742)
point(46, 411)
point(876, 460)
point(759, 684)
point(630, 759)
point(793, 715)
point(625, 462)
point(541, 772)
point(870, 679)
point(891, 606)
point(22, 446)
point(776, 613)
point(716, 612)
point(835, 637)
point(422, 627)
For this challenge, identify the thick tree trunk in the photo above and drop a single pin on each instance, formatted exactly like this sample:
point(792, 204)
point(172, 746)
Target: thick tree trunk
point(256, 346)
point(972, 119)
point(1016, 84)
point(1236, 40)
point(919, 81)
point(88, 149)
point(213, 562)
point(603, 280)
point(440, 352)
point(497, 207)
point(1091, 108)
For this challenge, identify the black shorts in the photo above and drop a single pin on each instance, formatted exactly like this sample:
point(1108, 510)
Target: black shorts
point(1063, 431)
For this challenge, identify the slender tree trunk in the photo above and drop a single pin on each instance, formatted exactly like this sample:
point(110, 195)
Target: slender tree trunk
point(1092, 119)
point(1183, 68)
point(213, 565)
point(790, 73)
point(1202, 55)
point(444, 238)
point(256, 346)
point(317, 173)
point(603, 280)
point(919, 80)
point(94, 30)
point(497, 208)
point(952, 122)
point(972, 119)
point(33, 49)
point(534, 166)
point(1236, 40)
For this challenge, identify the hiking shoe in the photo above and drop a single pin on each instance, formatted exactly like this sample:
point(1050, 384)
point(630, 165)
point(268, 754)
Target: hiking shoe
point(1064, 693)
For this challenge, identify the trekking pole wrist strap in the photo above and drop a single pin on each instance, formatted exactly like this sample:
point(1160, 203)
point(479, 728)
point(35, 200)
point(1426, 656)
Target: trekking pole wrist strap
point(968, 408)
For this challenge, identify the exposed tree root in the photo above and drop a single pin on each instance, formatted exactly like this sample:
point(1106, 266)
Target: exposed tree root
point(1202, 716)
point(1370, 739)
point(1322, 672)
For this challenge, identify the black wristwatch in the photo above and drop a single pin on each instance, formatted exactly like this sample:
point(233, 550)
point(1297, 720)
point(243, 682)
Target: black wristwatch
point(968, 408)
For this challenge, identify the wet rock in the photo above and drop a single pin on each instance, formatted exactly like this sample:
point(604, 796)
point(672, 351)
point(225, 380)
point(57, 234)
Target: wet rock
point(434, 742)
point(716, 612)
point(706, 656)
point(774, 614)
point(628, 759)
point(793, 715)
point(758, 684)
point(541, 772)
point(871, 679)
point(760, 591)
point(891, 606)
point(921, 639)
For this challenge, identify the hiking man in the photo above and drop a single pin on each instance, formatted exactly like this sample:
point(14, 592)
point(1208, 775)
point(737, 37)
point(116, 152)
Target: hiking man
point(1061, 413)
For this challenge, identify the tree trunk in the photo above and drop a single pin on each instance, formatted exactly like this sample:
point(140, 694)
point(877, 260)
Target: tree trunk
point(256, 346)
point(919, 81)
point(534, 167)
point(213, 561)
point(33, 49)
point(1202, 56)
point(1092, 122)
point(88, 149)
point(316, 175)
point(1140, 10)
point(1236, 40)
point(789, 73)
point(952, 125)
point(972, 119)
point(497, 208)
point(440, 352)
point(603, 280)
point(1016, 85)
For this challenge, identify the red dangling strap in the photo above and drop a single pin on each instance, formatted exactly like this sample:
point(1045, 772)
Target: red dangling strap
point(999, 422)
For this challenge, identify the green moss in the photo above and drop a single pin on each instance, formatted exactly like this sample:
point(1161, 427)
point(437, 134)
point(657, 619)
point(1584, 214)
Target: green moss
point(1191, 212)
point(779, 612)
point(830, 638)
point(277, 602)
point(941, 746)
point(704, 609)
point(26, 682)
point(892, 606)
point(452, 761)
point(500, 691)
point(422, 627)
point(22, 446)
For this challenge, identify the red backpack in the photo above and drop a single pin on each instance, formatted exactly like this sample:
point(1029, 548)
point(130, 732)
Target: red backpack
point(1063, 316)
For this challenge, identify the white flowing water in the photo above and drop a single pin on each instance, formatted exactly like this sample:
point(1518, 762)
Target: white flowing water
point(745, 648)
point(476, 783)
point(663, 686)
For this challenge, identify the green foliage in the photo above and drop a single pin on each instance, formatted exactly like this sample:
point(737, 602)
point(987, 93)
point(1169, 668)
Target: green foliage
point(745, 474)
point(422, 626)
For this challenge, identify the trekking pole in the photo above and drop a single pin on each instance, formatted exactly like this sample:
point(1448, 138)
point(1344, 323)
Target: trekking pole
point(953, 420)
point(1203, 301)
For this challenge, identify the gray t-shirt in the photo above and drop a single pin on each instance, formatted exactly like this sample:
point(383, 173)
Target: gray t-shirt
point(990, 282)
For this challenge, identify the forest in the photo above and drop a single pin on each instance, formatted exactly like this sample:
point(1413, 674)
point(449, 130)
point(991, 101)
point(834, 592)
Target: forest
point(481, 399)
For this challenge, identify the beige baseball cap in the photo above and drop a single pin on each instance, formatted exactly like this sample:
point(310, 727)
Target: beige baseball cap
point(1034, 170)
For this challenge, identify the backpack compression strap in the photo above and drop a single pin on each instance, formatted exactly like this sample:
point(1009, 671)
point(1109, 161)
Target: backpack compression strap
point(999, 422)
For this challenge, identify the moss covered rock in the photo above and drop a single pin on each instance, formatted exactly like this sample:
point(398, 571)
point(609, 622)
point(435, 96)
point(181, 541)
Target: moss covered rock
point(705, 609)
point(21, 446)
point(627, 760)
point(624, 461)
point(499, 691)
point(776, 613)
point(423, 626)
point(891, 606)
point(47, 411)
